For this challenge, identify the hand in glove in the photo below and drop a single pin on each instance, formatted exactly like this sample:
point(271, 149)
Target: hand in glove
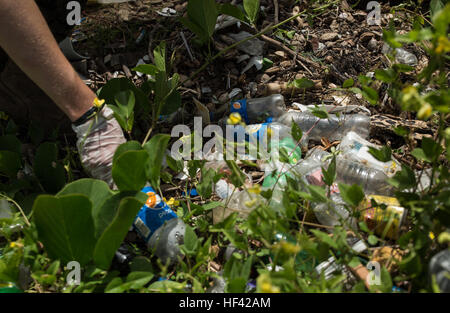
point(98, 139)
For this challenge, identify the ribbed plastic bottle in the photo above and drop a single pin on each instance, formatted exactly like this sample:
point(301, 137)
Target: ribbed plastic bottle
point(160, 227)
point(332, 128)
point(440, 268)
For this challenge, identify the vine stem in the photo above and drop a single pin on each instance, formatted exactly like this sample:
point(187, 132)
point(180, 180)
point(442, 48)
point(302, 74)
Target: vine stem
point(18, 207)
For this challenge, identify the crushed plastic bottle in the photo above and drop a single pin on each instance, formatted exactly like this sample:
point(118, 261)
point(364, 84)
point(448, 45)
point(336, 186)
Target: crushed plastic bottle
point(401, 55)
point(440, 268)
point(160, 227)
point(257, 110)
point(332, 128)
point(356, 148)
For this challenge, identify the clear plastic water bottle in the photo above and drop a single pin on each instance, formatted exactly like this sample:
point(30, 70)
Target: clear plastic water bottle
point(440, 267)
point(160, 227)
point(333, 128)
point(332, 213)
point(372, 181)
point(257, 110)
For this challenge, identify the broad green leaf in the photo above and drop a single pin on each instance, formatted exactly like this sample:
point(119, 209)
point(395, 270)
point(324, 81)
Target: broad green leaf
point(104, 215)
point(172, 103)
point(96, 190)
point(352, 195)
point(156, 148)
point(116, 85)
point(436, 6)
point(112, 237)
point(203, 14)
point(329, 175)
point(126, 100)
point(348, 83)
point(231, 10)
point(251, 7)
point(141, 264)
point(383, 154)
point(49, 171)
point(190, 240)
point(65, 227)
point(129, 170)
point(10, 163)
point(127, 146)
point(148, 69)
point(10, 143)
point(137, 280)
point(237, 176)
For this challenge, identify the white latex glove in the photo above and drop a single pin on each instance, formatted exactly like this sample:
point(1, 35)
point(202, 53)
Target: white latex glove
point(97, 144)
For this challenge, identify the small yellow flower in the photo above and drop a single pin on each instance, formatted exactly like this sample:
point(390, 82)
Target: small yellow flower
point(431, 235)
point(15, 244)
point(269, 288)
point(425, 111)
point(409, 93)
point(256, 189)
point(443, 45)
point(234, 119)
point(98, 103)
point(172, 202)
point(251, 203)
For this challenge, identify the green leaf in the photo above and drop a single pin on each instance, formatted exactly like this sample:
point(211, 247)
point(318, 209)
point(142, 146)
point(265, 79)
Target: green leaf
point(372, 240)
point(319, 112)
point(202, 16)
point(348, 83)
point(237, 176)
point(431, 148)
point(49, 171)
point(116, 85)
point(156, 148)
point(112, 237)
point(329, 175)
point(172, 103)
point(436, 6)
point(10, 163)
point(387, 76)
point(370, 95)
point(231, 10)
point(383, 155)
point(160, 56)
point(137, 280)
point(96, 190)
point(403, 179)
point(296, 132)
point(251, 8)
point(325, 238)
point(125, 100)
point(317, 193)
point(65, 227)
point(129, 170)
point(148, 69)
point(302, 83)
point(190, 240)
point(127, 146)
point(10, 143)
point(352, 195)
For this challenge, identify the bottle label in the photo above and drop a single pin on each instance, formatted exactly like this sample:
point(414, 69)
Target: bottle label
point(240, 106)
point(152, 215)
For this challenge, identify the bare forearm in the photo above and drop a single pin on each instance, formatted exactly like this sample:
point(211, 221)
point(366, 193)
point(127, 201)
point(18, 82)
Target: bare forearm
point(25, 36)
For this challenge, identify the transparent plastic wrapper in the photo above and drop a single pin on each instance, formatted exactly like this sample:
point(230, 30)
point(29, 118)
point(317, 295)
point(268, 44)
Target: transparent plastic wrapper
point(356, 148)
point(160, 227)
point(401, 55)
point(332, 128)
point(440, 268)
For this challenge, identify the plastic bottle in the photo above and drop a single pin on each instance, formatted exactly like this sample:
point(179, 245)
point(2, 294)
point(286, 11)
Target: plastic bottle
point(160, 227)
point(440, 267)
point(257, 110)
point(356, 148)
point(371, 180)
point(333, 128)
point(332, 213)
